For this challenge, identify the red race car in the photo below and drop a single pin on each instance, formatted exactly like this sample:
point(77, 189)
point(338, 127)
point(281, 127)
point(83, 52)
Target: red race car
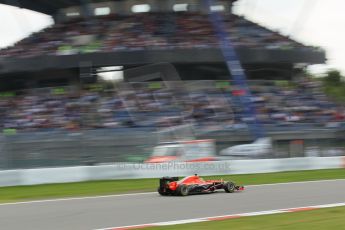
point(194, 185)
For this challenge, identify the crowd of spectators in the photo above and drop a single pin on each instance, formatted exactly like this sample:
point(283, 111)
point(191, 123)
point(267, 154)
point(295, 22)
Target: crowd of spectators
point(154, 105)
point(144, 31)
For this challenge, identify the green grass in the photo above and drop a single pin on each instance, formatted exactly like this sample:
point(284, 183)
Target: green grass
point(91, 188)
point(321, 219)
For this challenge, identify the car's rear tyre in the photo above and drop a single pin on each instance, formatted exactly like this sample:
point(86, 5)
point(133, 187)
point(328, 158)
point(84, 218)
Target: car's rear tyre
point(229, 187)
point(183, 190)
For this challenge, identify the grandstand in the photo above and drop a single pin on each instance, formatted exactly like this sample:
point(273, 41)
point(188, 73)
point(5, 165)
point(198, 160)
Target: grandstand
point(50, 81)
point(89, 35)
point(146, 105)
point(98, 34)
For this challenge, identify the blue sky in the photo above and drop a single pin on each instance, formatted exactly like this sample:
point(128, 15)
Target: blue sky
point(313, 22)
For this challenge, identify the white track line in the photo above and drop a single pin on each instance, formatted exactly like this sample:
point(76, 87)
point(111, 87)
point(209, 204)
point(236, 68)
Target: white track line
point(294, 182)
point(147, 193)
point(78, 198)
point(224, 217)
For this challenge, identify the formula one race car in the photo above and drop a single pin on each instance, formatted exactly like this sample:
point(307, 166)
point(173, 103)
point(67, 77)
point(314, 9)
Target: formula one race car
point(194, 185)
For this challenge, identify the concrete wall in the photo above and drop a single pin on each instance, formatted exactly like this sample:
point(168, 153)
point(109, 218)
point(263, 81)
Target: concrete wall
point(131, 170)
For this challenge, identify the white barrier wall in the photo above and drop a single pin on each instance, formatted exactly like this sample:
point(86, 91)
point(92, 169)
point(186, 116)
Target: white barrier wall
point(10, 177)
point(53, 175)
point(132, 170)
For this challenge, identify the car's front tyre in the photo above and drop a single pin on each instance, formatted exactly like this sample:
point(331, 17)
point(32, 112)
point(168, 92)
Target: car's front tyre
point(229, 187)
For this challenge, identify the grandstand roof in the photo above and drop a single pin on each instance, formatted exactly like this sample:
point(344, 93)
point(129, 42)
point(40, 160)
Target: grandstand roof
point(48, 6)
point(44, 6)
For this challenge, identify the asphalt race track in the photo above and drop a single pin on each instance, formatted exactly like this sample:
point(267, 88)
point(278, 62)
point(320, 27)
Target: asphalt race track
point(121, 210)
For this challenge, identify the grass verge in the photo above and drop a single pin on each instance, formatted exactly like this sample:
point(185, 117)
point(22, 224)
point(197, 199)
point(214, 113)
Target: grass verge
point(92, 188)
point(321, 219)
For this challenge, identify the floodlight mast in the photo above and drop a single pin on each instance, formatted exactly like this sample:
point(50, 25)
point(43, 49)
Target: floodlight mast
point(236, 70)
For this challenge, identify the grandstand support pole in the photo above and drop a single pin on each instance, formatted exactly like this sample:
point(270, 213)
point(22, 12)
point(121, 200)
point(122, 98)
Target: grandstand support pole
point(236, 70)
point(86, 72)
point(5, 152)
point(86, 9)
point(3, 157)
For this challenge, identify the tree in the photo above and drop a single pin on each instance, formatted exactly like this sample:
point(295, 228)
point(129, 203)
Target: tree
point(334, 85)
point(333, 77)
